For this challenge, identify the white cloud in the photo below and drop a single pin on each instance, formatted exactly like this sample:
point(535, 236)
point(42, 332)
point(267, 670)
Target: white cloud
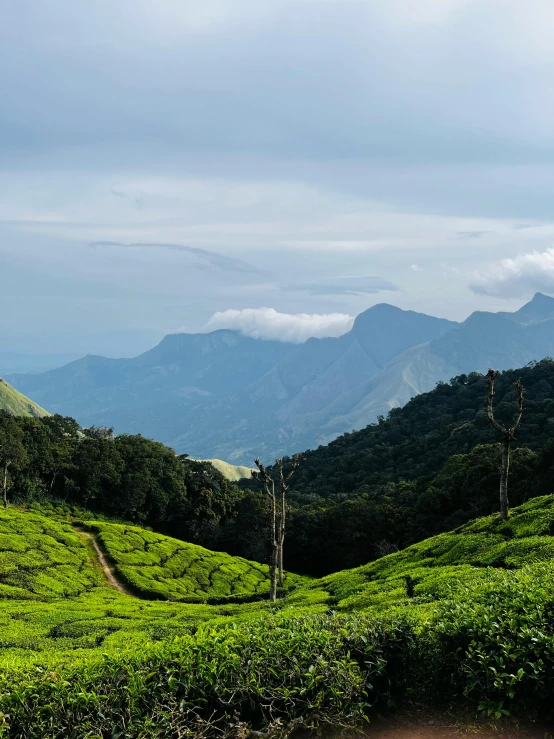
point(517, 277)
point(416, 268)
point(267, 323)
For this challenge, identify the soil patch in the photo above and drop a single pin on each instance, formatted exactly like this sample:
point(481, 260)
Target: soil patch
point(104, 564)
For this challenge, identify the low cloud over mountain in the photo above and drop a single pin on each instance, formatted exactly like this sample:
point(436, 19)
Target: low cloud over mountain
point(267, 323)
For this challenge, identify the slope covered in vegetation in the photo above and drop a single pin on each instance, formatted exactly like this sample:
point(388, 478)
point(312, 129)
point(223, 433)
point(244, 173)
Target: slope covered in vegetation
point(232, 472)
point(41, 558)
point(159, 566)
point(14, 402)
point(474, 620)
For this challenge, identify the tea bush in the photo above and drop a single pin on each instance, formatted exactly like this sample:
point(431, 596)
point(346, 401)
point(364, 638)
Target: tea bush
point(161, 567)
point(80, 659)
point(286, 671)
point(40, 558)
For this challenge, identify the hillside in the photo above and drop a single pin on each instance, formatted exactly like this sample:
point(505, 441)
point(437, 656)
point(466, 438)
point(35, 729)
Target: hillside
point(416, 440)
point(231, 472)
point(161, 567)
point(475, 599)
point(17, 404)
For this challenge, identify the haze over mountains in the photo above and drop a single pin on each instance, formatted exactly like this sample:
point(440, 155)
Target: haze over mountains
point(225, 395)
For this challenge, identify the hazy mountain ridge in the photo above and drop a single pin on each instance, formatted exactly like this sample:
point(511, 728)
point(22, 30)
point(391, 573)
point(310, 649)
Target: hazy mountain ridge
point(228, 396)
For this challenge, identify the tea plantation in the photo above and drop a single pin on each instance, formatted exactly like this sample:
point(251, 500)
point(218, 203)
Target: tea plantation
point(467, 615)
point(159, 566)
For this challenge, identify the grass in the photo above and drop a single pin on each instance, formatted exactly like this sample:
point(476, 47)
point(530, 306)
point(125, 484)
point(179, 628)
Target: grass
point(81, 659)
point(13, 401)
point(232, 472)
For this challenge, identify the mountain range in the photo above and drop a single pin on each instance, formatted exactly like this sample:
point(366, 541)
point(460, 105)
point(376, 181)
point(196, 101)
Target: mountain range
point(225, 395)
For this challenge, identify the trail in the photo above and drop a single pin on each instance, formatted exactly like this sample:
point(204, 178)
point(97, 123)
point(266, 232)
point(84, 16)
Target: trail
point(104, 565)
point(420, 729)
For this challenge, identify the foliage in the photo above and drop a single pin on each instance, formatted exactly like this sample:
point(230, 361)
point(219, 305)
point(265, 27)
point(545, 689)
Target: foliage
point(160, 567)
point(428, 468)
point(40, 558)
point(281, 672)
point(418, 439)
point(95, 662)
point(126, 477)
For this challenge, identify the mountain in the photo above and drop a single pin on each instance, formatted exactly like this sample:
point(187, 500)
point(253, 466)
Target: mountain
point(228, 396)
point(224, 395)
point(17, 404)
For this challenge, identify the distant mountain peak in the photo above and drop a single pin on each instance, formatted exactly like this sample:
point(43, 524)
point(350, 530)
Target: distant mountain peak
point(539, 308)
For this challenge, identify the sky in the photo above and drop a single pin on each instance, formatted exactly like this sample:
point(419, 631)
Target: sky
point(276, 167)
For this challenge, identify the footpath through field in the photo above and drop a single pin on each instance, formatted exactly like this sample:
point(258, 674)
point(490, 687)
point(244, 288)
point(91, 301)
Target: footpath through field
point(103, 563)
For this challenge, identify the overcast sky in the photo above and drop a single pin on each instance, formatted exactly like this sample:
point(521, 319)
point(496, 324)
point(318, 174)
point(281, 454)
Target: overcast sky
point(162, 162)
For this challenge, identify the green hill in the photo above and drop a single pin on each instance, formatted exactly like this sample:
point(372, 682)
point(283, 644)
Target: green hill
point(473, 620)
point(14, 402)
point(231, 472)
point(161, 567)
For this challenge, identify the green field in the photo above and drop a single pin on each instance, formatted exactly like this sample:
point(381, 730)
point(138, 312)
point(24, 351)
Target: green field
point(14, 402)
point(81, 659)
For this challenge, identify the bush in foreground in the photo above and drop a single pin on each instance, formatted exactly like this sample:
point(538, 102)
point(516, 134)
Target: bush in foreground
point(215, 683)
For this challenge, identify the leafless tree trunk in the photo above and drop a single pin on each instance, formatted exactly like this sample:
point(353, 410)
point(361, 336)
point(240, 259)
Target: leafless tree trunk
point(283, 487)
point(6, 465)
point(508, 434)
point(269, 489)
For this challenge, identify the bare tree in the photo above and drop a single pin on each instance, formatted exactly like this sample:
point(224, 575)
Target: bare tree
point(268, 485)
point(508, 435)
point(283, 487)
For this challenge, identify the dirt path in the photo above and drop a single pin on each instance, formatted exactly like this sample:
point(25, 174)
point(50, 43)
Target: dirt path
point(441, 729)
point(104, 565)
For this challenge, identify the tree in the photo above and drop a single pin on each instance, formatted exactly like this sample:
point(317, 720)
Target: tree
point(63, 436)
point(508, 435)
point(12, 451)
point(283, 487)
point(268, 485)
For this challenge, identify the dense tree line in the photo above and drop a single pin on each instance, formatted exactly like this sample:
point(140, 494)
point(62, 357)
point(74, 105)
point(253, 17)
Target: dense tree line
point(427, 468)
point(127, 477)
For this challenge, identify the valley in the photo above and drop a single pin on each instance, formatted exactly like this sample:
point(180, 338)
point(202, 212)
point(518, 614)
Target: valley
point(70, 632)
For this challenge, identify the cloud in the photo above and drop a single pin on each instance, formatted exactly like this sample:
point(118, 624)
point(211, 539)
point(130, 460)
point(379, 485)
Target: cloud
point(344, 286)
point(267, 323)
point(517, 277)
point(462, 235)
point(210, 258)
point(416, 268)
